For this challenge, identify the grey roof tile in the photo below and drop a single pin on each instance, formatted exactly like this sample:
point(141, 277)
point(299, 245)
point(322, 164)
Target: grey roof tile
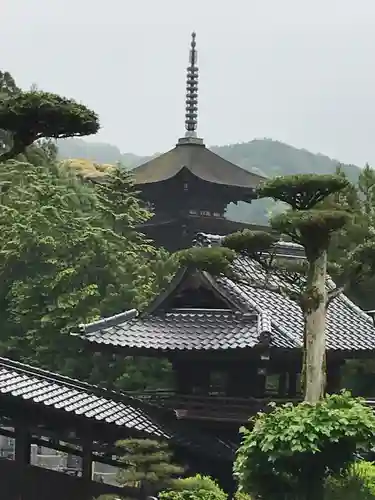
point(348, 327)
point(182, 330)
point(62, 393)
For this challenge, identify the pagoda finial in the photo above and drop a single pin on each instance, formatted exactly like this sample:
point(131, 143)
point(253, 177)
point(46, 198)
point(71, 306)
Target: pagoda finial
point(191, 114)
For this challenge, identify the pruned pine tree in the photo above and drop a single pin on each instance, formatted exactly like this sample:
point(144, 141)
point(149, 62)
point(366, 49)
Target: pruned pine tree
point(149, 465)
point(306, 223)
point(30, 116)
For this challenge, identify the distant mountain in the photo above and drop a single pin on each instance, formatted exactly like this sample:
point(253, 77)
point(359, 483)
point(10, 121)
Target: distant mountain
point(263, 156)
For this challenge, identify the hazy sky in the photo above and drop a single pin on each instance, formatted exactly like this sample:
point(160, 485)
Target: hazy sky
point(300, 71)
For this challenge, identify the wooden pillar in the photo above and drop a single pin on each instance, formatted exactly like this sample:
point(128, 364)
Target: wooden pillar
point(86, 467)
point(282, 388)
point(262, 374)
point(87, 459)
point(292, 384)
point(22, 446)
point(22, 459)
point(333, 377)
point(182, 377)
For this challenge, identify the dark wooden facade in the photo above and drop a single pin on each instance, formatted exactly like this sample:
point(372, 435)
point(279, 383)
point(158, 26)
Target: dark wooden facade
point(187, 195)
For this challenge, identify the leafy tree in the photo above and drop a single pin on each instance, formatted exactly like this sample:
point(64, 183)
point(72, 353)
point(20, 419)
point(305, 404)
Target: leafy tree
point(34, 115)
point(149, 465)
point(290, 452)
point(359, 200)
point(61, 264)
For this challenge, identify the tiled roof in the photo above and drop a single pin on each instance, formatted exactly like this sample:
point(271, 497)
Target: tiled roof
point(191, 329)
point(348, 327)
point(201, 162)
point(62, 393)
point(52, 391)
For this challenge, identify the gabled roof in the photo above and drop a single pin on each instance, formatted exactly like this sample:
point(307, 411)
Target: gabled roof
point(348, 327)
point(51, 392)
point(201, 162)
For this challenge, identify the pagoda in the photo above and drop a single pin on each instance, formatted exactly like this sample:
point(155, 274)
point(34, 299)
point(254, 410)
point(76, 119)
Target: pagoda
point(189, 187)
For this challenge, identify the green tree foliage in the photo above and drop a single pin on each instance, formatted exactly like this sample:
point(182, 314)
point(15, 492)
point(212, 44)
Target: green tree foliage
point(62, 263)
point(215, 260)
point(195, 487)
point(8, 88)
point(149, 464)
point(34, 115)
point(196, 483)
point(358, 199)
point(290, 452)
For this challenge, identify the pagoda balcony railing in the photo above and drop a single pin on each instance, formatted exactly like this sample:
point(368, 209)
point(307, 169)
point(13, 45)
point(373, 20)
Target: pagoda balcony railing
point(211, 407)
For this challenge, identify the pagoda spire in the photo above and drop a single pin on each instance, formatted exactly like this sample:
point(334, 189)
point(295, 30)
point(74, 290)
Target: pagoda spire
point(191, 110)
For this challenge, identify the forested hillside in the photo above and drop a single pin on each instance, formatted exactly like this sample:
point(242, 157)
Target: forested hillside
point(263, 156)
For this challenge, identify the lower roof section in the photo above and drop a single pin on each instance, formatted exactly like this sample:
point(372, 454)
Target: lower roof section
point(53, 396)
point(180, 330)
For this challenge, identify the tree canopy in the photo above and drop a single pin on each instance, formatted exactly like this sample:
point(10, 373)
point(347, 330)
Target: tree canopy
point(29, 116)
point(69, 254)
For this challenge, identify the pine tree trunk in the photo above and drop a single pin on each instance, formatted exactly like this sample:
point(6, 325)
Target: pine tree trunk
point(315, 330)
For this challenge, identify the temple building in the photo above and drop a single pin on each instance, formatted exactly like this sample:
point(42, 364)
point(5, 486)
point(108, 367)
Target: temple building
point(234, 344)
point(189, 187)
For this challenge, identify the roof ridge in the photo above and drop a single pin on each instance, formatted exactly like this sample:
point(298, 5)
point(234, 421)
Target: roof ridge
point(108, 321)
point(201, 310)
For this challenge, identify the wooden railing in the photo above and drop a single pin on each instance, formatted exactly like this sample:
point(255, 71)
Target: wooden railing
point(212, 407)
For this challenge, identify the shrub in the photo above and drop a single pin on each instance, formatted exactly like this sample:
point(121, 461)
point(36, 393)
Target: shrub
point(358, 483)
point(196, 487)
point(291, 450)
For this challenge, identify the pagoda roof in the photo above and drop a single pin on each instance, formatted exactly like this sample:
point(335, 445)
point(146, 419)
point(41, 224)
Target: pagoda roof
point(348, 327)
point(198, 160)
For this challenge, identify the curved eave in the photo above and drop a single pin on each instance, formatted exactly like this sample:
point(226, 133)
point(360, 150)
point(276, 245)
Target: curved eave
point(201, 162)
